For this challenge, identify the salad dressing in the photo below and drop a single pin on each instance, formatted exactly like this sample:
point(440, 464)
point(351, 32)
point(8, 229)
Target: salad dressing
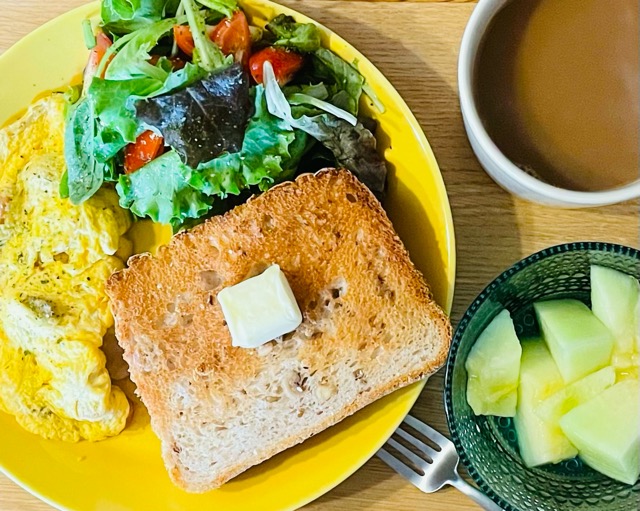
point(557, 87)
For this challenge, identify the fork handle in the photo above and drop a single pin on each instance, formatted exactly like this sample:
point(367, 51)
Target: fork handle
point(475, 494)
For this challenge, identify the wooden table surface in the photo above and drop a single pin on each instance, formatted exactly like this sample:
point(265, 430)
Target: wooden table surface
point(415, 44)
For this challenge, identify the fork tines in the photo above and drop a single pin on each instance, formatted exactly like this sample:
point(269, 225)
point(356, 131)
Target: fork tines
point(419, 454)
point(427, 431)
point(428, 453)
point(399, 466)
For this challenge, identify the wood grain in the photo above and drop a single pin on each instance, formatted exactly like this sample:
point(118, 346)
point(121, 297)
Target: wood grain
point(415, 44)
point(418, 1)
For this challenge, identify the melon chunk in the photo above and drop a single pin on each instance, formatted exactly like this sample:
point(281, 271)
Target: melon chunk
point(606, 431)
point(636, 325)
point(493, 368)
point(579, 343)
point(614, 301)
point(504, 406)
point(554, 407)
point(540, 441)
point(626, 365)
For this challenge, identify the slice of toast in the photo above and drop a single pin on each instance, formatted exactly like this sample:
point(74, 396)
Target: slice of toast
point(370, 326)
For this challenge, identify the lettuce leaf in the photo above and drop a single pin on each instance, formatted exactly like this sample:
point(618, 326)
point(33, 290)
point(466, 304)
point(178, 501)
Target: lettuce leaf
point(114, 103)
point(225, 7)
point(169, 191)
point(317, 90)
point(271, 151)
point(114, 106)
point(124, 16)
point(303, 37)
point(131, 60)
point(104, 122)
point(181, 78)
point(84, 174)
point(306, 99)
point(206, 54)
point(161, 191)
point(204, 119)
point(346, 78)
point(107, 115)
point(220, 177)
point(354, 147)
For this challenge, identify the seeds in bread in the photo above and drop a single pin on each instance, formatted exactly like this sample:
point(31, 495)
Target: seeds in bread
point(370, 326)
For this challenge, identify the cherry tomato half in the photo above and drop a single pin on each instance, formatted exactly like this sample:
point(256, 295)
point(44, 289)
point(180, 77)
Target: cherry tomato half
point(285, 63)
point(96, 55)
point(147, 146)
point(233, 37)
point(184, 39)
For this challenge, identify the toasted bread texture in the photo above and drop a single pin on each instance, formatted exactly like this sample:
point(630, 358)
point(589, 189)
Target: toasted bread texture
point(370, 326)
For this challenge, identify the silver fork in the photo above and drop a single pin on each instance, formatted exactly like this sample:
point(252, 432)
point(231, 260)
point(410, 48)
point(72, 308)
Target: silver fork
point(437, 468)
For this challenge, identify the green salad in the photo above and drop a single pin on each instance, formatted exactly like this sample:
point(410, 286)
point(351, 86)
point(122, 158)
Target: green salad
point(188, 109)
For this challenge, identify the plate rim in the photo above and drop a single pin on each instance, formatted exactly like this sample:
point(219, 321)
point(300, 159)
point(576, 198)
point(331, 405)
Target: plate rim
point(449, 243)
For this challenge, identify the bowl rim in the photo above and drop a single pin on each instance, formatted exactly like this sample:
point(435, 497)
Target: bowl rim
point(468, 315)
point(472, 38)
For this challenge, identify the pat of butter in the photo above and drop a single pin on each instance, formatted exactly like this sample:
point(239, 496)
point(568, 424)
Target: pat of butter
point(259, 309)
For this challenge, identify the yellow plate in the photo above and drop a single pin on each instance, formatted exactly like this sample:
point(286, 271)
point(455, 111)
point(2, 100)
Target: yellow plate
point(126, 472)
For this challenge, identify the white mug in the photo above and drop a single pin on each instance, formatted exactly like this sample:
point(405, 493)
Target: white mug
point(502, 170)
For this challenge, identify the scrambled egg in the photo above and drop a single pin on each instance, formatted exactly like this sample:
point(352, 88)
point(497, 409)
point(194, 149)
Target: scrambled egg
point(54, 261)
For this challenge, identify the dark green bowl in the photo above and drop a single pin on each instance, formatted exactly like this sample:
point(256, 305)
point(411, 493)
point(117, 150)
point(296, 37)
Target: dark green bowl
point(487, 445)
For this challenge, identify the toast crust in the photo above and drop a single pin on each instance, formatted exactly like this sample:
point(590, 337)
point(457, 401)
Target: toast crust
point(370, 326)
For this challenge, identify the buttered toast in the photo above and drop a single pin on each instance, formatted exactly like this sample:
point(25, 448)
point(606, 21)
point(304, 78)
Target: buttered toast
point(370, 326)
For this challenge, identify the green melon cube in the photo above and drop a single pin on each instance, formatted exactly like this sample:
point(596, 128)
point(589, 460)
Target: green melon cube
point(614, 301)
point(606, 431)
point(579, 343)
point(566, 399)
point(626, 365)
point(504, 406)
point(636, 325)
point(493, 368)
point(540, 441)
